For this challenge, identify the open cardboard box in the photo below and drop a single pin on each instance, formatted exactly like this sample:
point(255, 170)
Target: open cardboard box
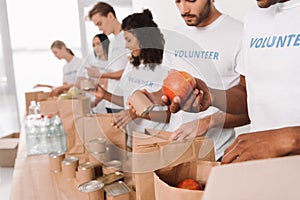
point(35, 95)
point(8, 150)
point(276, 179)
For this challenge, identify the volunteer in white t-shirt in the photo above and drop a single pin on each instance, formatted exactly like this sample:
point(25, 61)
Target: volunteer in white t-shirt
point(73, 70)
point(97, 62)
point(271, 66)
point(144, 71)
point(104, 17)
point(208, 47)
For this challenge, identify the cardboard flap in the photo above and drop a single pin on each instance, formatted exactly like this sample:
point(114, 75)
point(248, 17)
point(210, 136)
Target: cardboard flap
point(276, 179)
point(158, 133)
point(9, 143)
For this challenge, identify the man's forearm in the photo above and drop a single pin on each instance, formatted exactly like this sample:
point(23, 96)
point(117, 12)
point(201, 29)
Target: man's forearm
point(159, 116)
point(294, 135)
point(233, 100)
point(113, 75)
point(227, 120)
point(113, 98)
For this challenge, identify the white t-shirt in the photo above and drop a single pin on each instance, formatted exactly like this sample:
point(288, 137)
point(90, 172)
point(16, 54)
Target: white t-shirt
point(271, 47)
point(143, 78)
point(118, 59)
point(101, 65)
point(210, 53)
point(93, 61)
point(72, 70)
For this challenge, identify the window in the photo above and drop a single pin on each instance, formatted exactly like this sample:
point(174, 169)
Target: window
point(9, 116)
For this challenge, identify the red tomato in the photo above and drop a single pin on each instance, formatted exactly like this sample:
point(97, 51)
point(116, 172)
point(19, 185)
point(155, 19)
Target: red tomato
point(178, 83)
point(189, 184)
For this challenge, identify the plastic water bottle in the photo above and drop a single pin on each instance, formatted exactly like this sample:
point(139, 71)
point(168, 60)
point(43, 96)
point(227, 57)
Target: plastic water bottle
point(44, 134)
point(32, 129)
point(34, 108)
point(60, 134)
point(30, 134)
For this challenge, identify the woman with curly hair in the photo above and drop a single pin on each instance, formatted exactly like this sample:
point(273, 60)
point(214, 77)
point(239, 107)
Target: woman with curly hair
point(144, 71)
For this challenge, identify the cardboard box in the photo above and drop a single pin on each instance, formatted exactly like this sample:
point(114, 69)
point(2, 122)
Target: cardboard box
point(276, 179)
point(8, 150)
point(35, 96)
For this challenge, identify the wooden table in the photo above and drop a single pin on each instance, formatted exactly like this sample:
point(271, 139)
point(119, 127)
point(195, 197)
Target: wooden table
point(32, 179)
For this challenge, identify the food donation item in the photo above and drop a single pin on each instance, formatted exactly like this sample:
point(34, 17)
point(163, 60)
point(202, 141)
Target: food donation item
point(141, 103)
point(189, 184)
point(178, 83)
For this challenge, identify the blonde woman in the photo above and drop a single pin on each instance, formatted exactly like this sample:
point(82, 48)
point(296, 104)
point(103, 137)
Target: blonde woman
point(73, 71)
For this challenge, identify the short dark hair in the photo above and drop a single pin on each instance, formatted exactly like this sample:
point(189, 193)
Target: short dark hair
point(151, 40)
point(102, 8)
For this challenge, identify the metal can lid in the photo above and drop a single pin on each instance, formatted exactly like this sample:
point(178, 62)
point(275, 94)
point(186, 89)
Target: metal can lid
point(70, 160)
point(56, 154)
point(147, 110)
point(90, 186)
point(117, 188)
point(110, 178)
point(113, 163)
point(85, 166)
point(98, 140)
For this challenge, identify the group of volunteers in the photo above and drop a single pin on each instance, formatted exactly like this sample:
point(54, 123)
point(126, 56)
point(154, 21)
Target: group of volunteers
point(245, 73)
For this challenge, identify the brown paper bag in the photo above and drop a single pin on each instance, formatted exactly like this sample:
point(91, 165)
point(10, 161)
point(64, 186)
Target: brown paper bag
point(71, 112)
point(165, 180)
point(151, 153)
point(147, 148)
point(99, 126)
point(165, 191)
point(49, 106)
point(203, 170)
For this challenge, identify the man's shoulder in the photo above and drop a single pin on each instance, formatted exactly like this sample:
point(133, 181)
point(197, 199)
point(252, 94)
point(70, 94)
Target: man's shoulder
point(229, 20)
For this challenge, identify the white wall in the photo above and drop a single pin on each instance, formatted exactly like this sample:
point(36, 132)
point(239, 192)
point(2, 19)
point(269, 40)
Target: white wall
point(235, 8)
point(167, 16)
point(164, 12)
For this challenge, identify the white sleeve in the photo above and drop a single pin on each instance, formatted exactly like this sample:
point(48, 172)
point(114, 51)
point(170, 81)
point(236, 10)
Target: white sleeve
point(240, 60)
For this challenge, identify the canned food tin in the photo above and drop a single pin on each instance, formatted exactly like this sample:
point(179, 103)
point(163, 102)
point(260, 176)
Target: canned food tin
point(97, 145)
point(110, 178)
point(85, 172)
point(69, 166)
point(111, 166)
point(87, 85)
point(141, 103)
point(96, 163)
point(93, 188)
point(90, 186)
point(117, 189)
point(55, 160)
